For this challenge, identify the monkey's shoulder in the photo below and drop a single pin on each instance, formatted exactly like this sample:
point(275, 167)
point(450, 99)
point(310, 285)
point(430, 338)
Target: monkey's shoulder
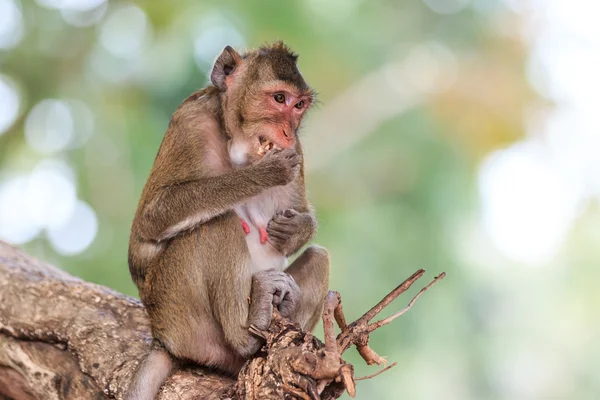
point(202, 94)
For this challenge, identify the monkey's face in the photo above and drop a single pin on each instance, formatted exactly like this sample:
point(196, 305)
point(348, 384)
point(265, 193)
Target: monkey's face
point(266, 98)
point(270, 118)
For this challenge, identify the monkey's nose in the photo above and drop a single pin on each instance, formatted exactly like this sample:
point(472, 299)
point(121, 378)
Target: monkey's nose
point(286, 138)
point(287, 134)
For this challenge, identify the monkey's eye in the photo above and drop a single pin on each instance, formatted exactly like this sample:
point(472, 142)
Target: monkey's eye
point(299, 104)
point(279, 97)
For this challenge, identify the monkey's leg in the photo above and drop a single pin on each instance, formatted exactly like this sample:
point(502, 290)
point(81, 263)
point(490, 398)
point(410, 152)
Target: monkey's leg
point(311, 272)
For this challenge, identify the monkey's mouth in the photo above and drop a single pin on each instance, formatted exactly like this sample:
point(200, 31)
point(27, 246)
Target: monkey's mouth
point(265, 146)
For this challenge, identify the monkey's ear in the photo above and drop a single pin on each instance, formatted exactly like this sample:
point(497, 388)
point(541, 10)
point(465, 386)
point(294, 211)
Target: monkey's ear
point(225, 65)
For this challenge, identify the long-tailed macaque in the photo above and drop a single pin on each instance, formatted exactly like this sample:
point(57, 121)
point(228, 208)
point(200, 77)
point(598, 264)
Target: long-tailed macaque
point(222, 210)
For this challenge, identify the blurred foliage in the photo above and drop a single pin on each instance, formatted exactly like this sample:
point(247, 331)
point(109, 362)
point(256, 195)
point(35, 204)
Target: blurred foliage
point(402, 197)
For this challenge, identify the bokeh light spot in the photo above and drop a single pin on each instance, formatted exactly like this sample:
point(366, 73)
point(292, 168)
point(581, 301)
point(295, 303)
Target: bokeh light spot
point(526, 207)
point(79, 5)
point(11, 24)
point(51, 194)
point(431, 67)
point(125, 31)
point(214, 34)
point(49, 126)
point(83, 18)
point(46, 200)
point(17, 225)
point(334, 10)
point(9, 103)
point(446, 6)
point(77, 232)
point(83, 122)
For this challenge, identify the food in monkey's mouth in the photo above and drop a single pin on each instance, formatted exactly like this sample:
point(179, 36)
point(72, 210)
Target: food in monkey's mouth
point(265, 146)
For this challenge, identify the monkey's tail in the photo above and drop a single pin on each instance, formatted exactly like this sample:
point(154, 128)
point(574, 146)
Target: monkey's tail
point(150, 375)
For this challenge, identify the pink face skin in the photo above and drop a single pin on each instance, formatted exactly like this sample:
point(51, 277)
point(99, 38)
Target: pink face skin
point(273, 117)
point(285, 107)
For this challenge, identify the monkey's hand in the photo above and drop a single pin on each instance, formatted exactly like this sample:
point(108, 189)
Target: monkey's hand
point(279, 167)
point(272, 288)
point(290, 230)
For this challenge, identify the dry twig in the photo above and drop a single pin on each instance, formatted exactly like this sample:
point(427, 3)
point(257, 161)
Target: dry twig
point(356, 333)
point(381, 371)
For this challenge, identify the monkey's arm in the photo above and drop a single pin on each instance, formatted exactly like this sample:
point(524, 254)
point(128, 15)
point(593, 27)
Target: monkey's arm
point(290, 230)
point(172, 209)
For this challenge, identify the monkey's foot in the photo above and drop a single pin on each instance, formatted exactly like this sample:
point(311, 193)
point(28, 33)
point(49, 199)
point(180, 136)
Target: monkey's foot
point(264, 236)
point(245, 226)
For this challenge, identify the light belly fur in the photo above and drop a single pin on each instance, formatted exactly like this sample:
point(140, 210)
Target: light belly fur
point(257, 212)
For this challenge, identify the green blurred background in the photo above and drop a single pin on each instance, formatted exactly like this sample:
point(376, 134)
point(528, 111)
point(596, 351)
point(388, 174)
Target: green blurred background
point(451, 135)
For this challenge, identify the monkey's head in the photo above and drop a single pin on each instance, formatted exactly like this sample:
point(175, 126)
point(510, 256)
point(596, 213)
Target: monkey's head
point(263, 97)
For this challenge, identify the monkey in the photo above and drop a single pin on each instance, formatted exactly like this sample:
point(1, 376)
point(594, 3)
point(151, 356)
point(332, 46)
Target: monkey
point(222, 210)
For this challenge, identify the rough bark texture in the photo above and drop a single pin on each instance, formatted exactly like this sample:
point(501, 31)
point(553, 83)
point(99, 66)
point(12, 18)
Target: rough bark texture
point(63, 338)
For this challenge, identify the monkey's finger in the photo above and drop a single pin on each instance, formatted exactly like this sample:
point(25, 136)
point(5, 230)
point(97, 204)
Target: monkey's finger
point(291, 155)
point(286, 309)
point(278, 297)
point(278, 235)
point(276, 284)
point(263, 316)
point(289, 213)
point(291, 296)
point(288, 153)
point(287, 219)
point(288, 300)
point(296, 161)
point(289, 305)
point(296, 158)
point(285, 293)
point(282, 237)
point(289, 229)
point(284, 226)
point(270, 288)
point(277, 227)
point(274, 240)
point(294, 290)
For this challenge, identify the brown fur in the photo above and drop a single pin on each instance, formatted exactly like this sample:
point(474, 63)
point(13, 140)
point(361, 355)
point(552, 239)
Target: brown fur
point(188, 254)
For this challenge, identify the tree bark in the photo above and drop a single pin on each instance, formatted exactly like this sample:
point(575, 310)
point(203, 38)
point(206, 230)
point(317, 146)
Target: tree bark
point(62, 338)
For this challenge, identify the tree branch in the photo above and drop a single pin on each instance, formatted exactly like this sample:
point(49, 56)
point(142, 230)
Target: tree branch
point(63, 338)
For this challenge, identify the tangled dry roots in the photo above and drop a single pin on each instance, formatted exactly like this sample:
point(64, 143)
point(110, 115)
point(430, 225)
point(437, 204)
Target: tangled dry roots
point(295, 364)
